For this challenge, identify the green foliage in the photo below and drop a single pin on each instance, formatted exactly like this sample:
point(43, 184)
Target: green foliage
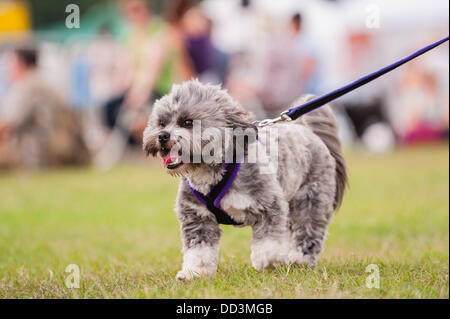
point(48, 13)
point(120, 228)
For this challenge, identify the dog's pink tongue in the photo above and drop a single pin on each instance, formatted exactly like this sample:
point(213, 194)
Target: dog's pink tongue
point(166, 159)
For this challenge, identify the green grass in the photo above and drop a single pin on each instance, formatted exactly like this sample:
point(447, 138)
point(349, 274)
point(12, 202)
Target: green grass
point(120, 229)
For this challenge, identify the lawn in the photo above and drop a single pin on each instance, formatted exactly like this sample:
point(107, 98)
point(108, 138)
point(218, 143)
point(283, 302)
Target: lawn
point(120, 229)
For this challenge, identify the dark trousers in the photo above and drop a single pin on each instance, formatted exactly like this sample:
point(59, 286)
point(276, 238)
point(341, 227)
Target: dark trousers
point(111, 111)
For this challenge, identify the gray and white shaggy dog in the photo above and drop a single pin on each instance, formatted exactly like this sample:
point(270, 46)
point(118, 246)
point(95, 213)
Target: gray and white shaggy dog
point(289, 208)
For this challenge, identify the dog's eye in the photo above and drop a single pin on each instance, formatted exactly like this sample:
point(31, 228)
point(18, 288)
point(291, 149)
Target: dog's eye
point(187, 123)
point(162, 124)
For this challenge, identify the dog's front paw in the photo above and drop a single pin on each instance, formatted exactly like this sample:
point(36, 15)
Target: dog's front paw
point(186, 275)
point(199, 262)
point(190, 274)
point(296, 257)
point(268, 254)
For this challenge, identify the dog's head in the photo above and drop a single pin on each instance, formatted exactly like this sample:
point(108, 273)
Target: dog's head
point(192, 121)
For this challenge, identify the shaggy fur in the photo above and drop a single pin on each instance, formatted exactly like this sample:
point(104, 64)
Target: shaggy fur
point(289, 209)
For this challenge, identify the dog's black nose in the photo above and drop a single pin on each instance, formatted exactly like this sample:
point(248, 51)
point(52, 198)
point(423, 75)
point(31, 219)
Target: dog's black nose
point(163, 137)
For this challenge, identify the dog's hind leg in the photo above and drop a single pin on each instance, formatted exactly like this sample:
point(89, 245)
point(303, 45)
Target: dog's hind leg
point(310, 212)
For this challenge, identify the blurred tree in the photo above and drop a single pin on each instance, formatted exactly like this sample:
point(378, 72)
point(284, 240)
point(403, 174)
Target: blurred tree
point(48, 13)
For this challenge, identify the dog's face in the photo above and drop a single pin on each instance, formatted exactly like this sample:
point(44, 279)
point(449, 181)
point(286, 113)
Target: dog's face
point(191, 117)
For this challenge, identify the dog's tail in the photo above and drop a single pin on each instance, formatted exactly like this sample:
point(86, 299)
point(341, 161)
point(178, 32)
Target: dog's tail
point(323, 123)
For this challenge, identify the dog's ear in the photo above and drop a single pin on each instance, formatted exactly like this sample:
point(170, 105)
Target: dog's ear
point(239, 120)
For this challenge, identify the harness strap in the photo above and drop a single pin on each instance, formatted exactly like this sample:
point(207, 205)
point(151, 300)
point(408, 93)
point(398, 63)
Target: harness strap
point(218, 191)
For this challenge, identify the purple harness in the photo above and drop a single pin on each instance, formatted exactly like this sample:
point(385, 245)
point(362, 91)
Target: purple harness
point(218, 191)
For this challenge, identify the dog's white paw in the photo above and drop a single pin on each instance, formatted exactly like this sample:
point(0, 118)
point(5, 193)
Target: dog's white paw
point(268, 253)
point(190, 274)
point(296, 257)
point(186, 275)
point(199, 262)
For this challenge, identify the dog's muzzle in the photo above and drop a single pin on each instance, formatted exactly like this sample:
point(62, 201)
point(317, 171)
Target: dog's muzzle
point(170, 158)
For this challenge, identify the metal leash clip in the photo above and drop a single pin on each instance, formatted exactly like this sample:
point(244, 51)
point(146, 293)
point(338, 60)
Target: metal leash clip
point(282, 118)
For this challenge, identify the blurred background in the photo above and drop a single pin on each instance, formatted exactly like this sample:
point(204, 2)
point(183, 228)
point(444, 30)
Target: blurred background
point(77, 82)
point(78, 79)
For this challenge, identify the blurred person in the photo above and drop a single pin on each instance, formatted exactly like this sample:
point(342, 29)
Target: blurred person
point(37, 129)
point(239, 25)
point(209, 63)
point(291, 67)
point(100, 72)
point(174, 13)
point(109, 73)
point(153, 61)
point(307, 55)
point(245, 40)
point(4, 77)
point(244, 81)
point(80, 93)
point(156, 61)
point(421, 106)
